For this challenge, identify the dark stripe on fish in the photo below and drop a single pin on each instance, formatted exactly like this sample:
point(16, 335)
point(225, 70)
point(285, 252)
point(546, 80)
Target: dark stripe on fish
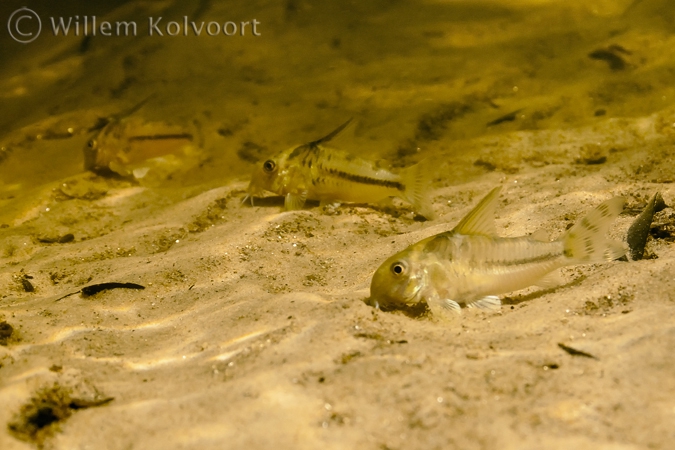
point(310, 148)
point(534, 259)
point(158, 137)
point(366, 180)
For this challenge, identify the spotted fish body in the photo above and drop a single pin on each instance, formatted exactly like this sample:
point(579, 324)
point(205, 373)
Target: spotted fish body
point(469, 266)
point(316, 172)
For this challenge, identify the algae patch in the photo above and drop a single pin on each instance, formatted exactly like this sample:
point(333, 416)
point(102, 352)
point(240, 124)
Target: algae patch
point(42, 416)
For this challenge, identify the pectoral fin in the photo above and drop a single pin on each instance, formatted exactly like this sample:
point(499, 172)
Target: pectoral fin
point(140, 172)
point(118, 168)
point(442, 307)
point(295, 201)
point(450, 305)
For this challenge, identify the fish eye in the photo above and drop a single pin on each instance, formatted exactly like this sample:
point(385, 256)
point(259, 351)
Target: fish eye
point(91, 143)
point(269, 166)
point(399, 268)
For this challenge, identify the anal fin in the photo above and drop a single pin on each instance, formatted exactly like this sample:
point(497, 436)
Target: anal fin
point(540, 235)
point(386, 202)
point(550, 280)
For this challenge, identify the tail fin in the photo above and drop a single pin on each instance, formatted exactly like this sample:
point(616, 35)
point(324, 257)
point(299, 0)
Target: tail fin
point(416, 180)
point(585, 242)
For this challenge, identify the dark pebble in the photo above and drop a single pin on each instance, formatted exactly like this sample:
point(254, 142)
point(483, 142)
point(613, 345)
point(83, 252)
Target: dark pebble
point(6, 331)
point(639, 230)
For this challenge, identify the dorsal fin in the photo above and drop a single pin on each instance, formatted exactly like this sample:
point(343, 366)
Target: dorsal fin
point(105, 121)
point(124, 114)
point(481, 219)
point(332, 134)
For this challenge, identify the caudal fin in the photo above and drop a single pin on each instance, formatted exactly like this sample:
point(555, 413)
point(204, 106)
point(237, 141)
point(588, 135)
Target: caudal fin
point(416, 180)
point(586, 241)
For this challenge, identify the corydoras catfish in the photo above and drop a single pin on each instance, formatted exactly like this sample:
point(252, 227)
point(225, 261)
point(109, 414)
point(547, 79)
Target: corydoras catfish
point(470, 265)
point(314, 171)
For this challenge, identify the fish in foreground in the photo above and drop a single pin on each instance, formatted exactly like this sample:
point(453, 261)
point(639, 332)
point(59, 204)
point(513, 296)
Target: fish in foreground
point(315, 172)
point(470, 265)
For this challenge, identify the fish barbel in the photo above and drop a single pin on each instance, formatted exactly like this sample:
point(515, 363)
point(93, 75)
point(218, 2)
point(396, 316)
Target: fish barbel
point(316, 172)
point(470, 265)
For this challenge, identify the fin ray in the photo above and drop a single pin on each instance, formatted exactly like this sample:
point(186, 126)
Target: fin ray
point(332, 134)
point(487, 303)
point(585, 242)
point(416, 180)
point(550, 280)
point(442, 307)
point(481, 219)
point(295, 201)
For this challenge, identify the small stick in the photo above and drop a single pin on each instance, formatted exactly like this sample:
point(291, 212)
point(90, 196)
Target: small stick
point(575, 352)
point(96, 288)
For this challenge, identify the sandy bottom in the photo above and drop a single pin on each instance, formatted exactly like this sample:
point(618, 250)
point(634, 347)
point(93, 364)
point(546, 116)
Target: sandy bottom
point(252, 330)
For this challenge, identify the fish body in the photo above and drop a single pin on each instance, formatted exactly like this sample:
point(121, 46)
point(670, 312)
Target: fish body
point(125, 146)
point(131, 146)
point(314, 171)
point(469, 265)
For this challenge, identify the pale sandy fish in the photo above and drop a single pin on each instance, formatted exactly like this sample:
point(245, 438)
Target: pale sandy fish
point(133, 147)
point(316, 172)
point(470, 265)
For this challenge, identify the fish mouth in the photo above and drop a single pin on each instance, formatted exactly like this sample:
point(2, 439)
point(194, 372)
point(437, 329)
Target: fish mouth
point(389, 302)
point(412, 298)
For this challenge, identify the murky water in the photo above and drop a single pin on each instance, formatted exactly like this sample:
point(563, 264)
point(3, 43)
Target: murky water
point(415, 76)
point(564, 101)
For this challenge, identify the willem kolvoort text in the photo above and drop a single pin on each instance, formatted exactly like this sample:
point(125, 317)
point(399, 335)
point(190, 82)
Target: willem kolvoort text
point(90, 26)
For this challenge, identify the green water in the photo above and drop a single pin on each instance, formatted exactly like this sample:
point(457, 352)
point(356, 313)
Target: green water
point(420, 78)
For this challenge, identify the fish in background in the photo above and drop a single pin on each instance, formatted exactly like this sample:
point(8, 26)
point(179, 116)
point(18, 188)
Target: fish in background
point(146, 151)
point(314, 171)
point(470, 265)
